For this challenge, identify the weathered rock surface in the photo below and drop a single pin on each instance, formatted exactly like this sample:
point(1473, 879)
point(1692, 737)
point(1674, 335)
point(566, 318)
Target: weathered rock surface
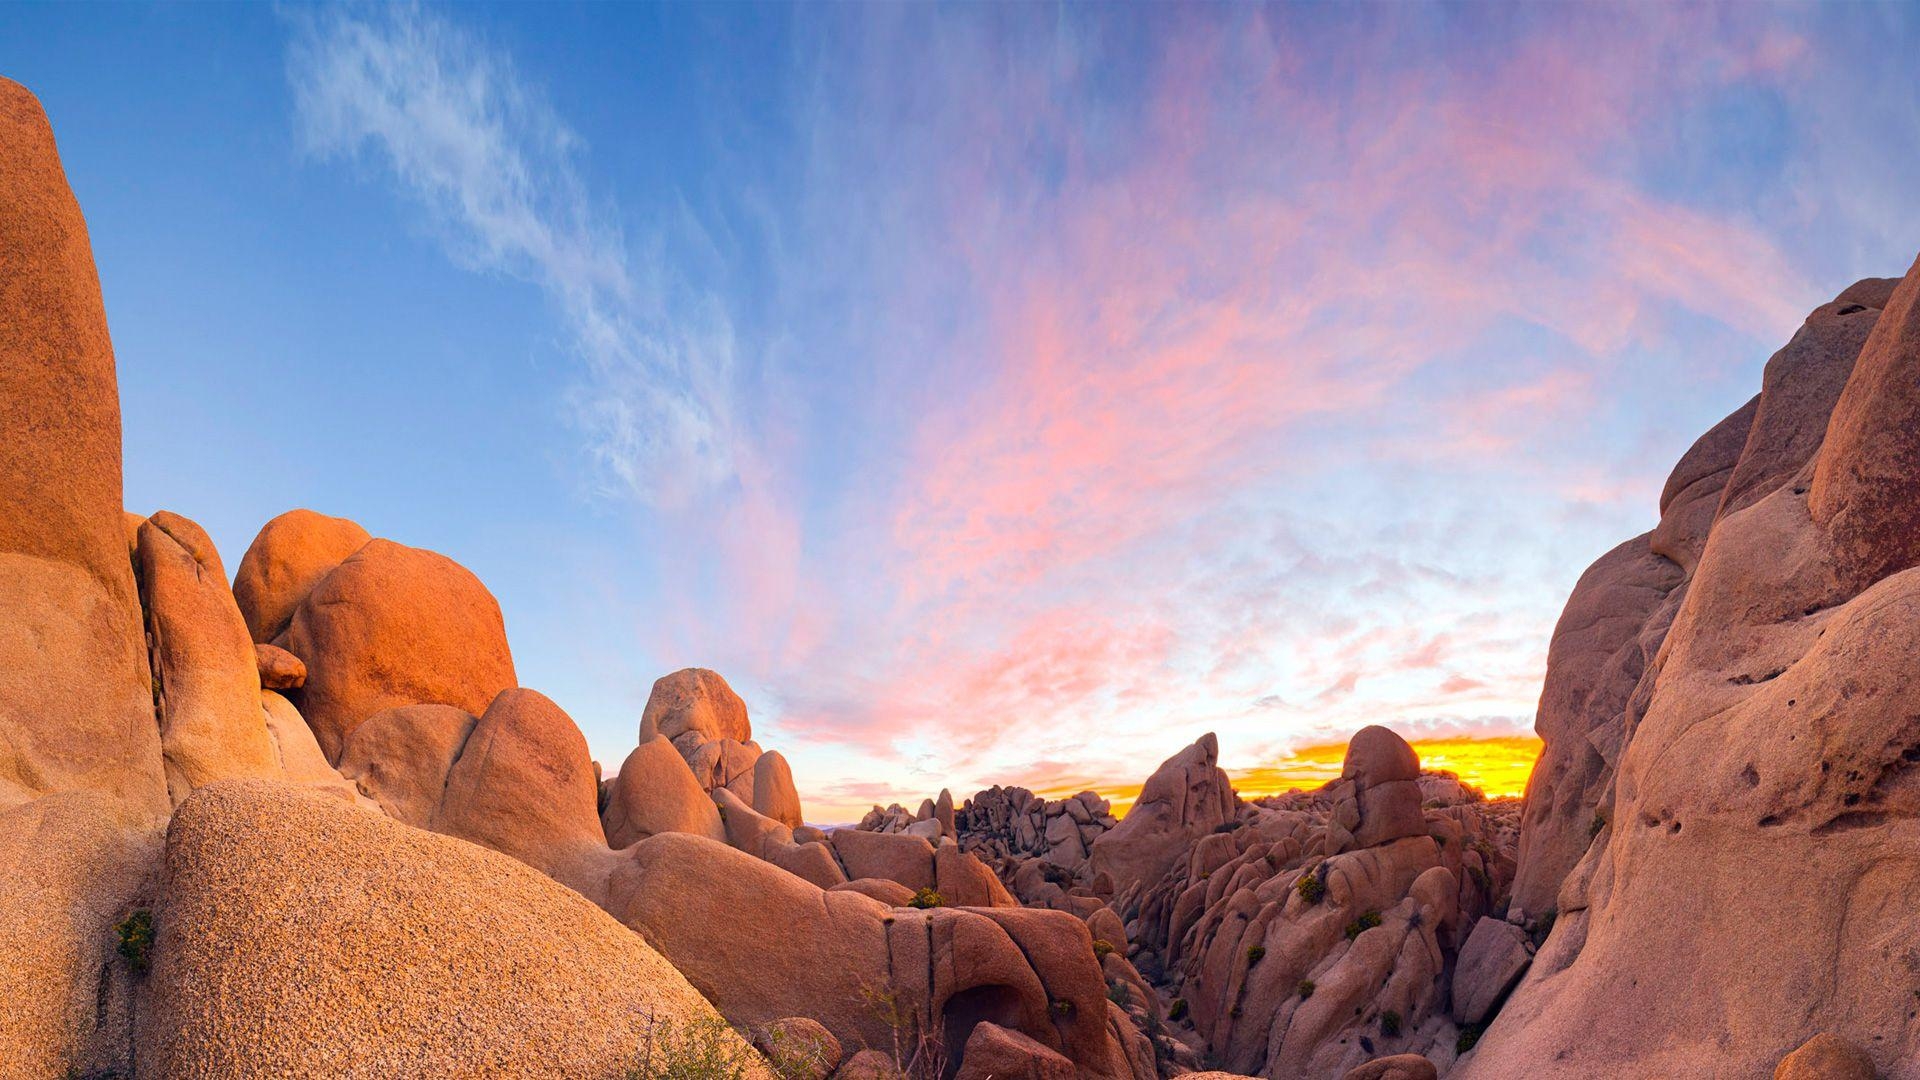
point(655, 792)
point(278, 669)
point(1397, 1067)
point(1186, 797)
point(285, 561)
point(1772, 750)
point(206, 676)
point(1825, 1057)
point(76, 706)
point(278, 905)
point(1493, 958)
point(400, 758)
point(392, 626)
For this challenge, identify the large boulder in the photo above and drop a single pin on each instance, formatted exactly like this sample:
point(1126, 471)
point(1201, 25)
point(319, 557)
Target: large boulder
point(395, 625)
point(287, 559)
point(1186, 797)
point(279, 904)
point(872, 975)
point(76, 707)
point(524, 786)
point(1603, 643)
point(70, 868)
point(695, 700)
point(206, 676)
point(655, 792)
point(1770, 782)
point(773, 791)
point(400, 758)
point(1493, 958)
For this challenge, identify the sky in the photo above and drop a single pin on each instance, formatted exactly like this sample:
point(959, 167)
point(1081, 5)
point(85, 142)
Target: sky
point(992, 393)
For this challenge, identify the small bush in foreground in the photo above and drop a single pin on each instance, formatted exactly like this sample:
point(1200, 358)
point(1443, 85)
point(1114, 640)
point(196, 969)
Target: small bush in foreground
point(1362, 924)
point(1255, 953)
point(1306, 989)
point(927, 898)
point(136, 940)
point(700, 1049)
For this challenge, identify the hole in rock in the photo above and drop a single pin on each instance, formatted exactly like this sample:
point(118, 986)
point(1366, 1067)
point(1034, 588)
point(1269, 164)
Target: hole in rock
point(993, 1003)
point(1850, 309)
point(1751, 776)
point(1854, 819)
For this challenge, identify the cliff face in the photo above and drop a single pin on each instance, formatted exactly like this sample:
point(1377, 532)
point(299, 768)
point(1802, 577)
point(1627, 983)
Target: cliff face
point(1748, 758)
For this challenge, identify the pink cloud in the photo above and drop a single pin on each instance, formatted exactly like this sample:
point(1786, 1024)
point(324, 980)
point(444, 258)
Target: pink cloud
point(1293, 268)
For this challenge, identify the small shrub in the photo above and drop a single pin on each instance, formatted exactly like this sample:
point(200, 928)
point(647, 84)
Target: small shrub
point(1390, 1023)
point(927, 898)
point(1118, 993)
point(1311, 888)
point(1255, 953)
point(136, 940)
point(1062, 1007)
point(1361, 925)
point(1306, 989)
point(704, 1048)
point(1102, 947)
point(1469, 1036)
point(1599, 822)
point(1177, 1010)
point(1480, 878)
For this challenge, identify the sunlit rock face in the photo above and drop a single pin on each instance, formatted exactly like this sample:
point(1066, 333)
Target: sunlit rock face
point(1757, 835)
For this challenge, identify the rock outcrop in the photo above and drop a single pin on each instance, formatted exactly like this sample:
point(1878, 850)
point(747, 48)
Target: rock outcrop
point(76, 705)
point(1768, 763)
point(1186, 797)
point(390, 626)
point(484, 966)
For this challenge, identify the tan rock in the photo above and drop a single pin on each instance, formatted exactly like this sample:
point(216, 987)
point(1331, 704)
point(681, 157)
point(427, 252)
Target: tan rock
point(1694, 489)
point(400, 758)
point(523, 785)
point(298, 753)
point(71, 867)
point(1600, 648)
point(890, 893)
point(1777, 745)
point(287, 559)
point(76, 705)
point(207, 678)
point(655, 792)
point(278, 904)
point(799, 1048)
point(994, 1053)
point(392, 626)
point(278, 668)
point(894, 856)
point(1490, 962)
point(1865, 483)
point(773, 792)
point(1184, 799)
point(965, 881)
point(695, 700)
point(1397, 1067)
point(1826, 1056)
point(869, 1065)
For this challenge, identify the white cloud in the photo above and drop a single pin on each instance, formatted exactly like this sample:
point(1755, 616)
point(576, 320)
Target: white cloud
point(497, 173)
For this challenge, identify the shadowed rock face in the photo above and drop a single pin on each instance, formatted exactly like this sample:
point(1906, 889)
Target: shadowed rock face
point(1760, 831)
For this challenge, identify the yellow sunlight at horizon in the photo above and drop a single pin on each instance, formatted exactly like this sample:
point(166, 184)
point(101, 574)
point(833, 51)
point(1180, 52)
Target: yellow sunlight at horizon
point(1498, 765)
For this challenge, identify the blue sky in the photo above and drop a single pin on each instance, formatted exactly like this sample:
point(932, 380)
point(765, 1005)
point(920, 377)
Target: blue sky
point(992, 393)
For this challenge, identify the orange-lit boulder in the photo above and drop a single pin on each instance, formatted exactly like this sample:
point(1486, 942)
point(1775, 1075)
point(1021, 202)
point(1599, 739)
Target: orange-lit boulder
point(76, 707)
point(207, 679)
point(391, 626)
point(287, 559)
point(655, 792)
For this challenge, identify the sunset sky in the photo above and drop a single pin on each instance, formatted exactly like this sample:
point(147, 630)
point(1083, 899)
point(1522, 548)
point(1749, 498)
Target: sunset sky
point(992, 393)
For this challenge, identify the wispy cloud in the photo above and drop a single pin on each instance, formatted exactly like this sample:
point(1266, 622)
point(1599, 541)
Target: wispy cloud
point(498, 175)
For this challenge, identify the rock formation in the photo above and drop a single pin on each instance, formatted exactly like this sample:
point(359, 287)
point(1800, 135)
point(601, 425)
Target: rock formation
point(1745, 882)
point(310, 824)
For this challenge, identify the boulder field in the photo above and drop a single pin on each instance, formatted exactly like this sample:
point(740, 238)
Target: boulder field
point(308, 823)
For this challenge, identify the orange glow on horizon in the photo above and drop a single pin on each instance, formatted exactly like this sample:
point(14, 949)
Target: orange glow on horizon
point(1498, 765)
